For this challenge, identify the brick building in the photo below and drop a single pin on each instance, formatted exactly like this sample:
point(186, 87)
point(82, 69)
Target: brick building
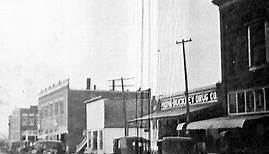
point(23, 124)
point(63, 114)
point(245, 53)
point(244, 27)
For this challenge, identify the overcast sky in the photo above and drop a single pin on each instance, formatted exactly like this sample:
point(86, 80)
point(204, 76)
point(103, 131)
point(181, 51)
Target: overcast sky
point(44, 41)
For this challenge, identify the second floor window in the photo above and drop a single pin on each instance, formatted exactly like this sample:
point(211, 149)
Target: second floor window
point(258, 44)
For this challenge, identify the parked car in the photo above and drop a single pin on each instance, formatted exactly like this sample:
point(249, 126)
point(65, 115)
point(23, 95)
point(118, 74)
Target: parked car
point(131, 145)
point(14, 147)
point(26, 147)
point(177, 145)
point(49, 147)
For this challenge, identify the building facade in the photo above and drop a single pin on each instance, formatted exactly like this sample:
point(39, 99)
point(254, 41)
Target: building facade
point(23, 124)
point(245, 54)
point(107, 119)
point(245, 85)
point(170, 116)
point(62, 113)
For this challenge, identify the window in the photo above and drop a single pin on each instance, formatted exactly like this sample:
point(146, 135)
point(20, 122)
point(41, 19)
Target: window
point(56, 108)
point(31, 120)
point(45, 111)
point(100, 139)
point(94, 140)
point(258, 41)
point(62, 107)
point(267, 98)
point(249, 100)
point(89, 138)
point(232, 103)
point(24, 119)
point(259, 99)
point(241, 102)
point(51, 109)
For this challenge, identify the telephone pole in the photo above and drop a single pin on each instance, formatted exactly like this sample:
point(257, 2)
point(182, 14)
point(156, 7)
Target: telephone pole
point(114, 85)
point(186, 78)
point(124, 109)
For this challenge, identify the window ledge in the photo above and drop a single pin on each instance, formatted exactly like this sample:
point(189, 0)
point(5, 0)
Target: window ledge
point(255, 68)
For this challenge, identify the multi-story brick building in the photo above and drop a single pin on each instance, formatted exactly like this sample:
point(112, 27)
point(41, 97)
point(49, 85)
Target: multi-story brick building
point(23, 124)
point(62, 113)
point(245, 54)
point(244, 27)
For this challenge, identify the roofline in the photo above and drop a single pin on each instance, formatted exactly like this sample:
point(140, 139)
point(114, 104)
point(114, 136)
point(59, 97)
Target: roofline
point(225, 3)
point(93, 99)
point(53, 88)
point(103, 91)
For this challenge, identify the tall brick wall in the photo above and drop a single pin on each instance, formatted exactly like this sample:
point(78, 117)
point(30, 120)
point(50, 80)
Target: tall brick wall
point(234, 43)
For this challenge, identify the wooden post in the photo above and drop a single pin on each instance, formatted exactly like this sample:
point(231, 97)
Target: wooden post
point(186, 79)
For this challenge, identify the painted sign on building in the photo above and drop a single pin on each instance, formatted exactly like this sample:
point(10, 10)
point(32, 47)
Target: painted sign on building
point(195, 98)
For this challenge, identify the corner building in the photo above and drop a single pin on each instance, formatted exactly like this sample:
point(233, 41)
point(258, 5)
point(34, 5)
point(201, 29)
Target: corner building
point(62, 113)
point(244, 27)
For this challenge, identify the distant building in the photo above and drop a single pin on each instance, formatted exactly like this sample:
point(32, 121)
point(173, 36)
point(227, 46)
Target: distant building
point(23, 124)
point(62, 113)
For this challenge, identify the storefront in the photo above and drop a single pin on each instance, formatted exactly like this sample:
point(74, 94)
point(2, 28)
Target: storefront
point(203, 102)
point(244, 129)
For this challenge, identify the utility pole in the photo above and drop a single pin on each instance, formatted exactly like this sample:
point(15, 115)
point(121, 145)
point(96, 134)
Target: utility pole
point(124, 109)
point(186, 78)
point(114, 85)
point(149, 112)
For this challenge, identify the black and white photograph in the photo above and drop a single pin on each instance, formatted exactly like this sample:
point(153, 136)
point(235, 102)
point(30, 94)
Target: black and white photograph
point(134, 76)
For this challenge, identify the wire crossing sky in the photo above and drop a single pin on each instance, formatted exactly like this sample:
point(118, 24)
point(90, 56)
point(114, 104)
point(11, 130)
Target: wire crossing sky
point(44, 41)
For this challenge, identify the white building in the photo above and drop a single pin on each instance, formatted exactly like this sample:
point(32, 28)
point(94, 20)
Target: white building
point(105, 121)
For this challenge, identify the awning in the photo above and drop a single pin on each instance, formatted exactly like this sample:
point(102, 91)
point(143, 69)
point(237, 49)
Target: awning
point(176, 111)
point(224, 122)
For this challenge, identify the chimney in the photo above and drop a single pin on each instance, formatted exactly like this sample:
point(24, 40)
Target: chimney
point(94, 87)
point(88, 86)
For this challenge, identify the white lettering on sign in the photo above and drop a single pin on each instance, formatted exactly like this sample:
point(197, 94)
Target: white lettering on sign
point(180, 101)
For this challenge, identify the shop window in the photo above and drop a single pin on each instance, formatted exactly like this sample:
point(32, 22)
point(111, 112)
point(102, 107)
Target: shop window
point(232, 103)
point(267, 98)
point(100, 139)
point(241, 102)
point(259, 100)
point(89, 139)
point(258, 52)
point(250, 101)
point(94, 140)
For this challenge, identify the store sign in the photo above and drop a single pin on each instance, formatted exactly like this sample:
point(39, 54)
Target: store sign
point(180, 101)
